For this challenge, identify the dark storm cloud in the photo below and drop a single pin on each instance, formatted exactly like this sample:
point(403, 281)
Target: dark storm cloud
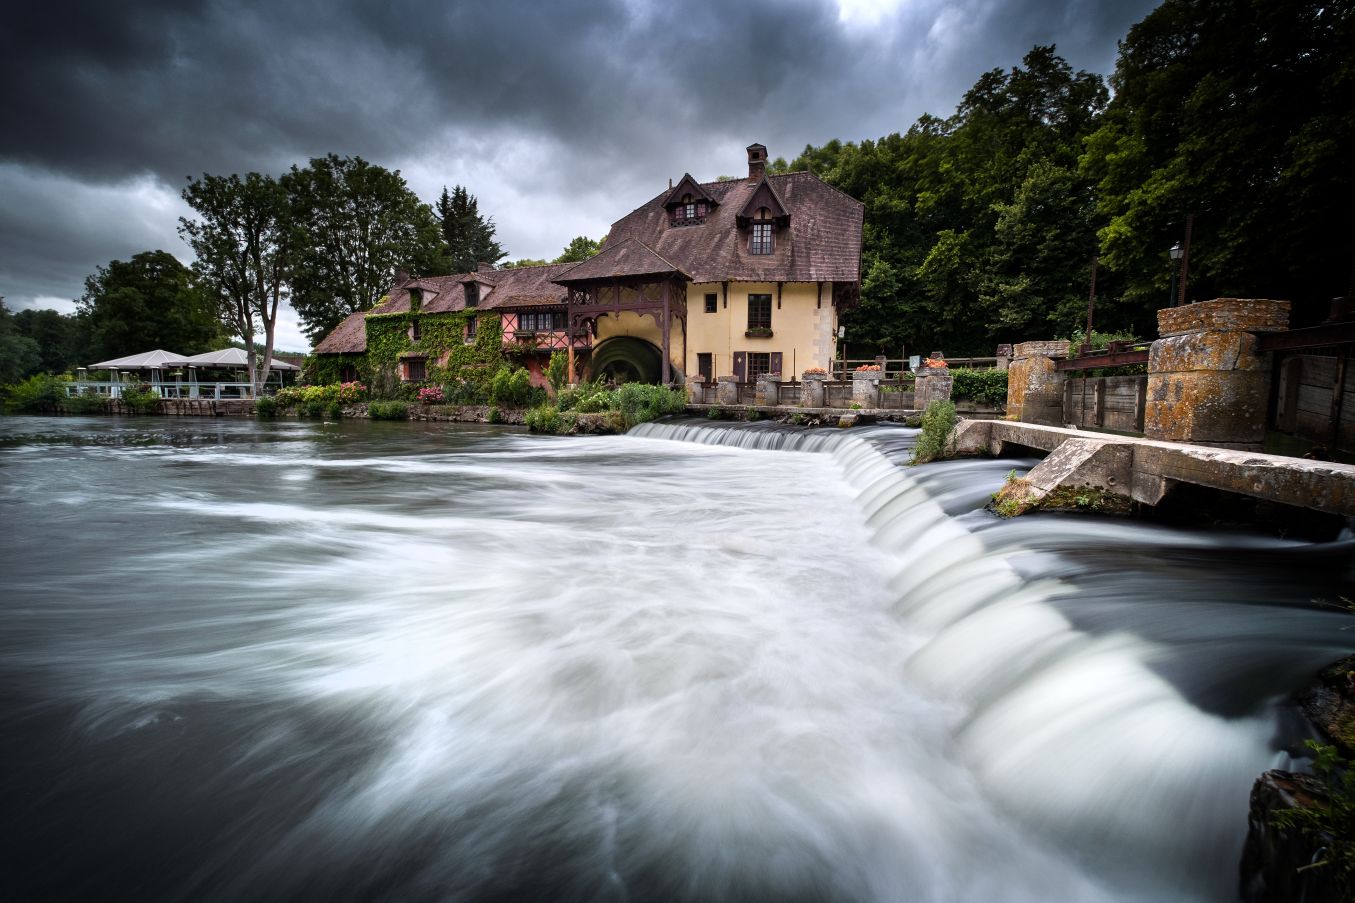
point(560, 116)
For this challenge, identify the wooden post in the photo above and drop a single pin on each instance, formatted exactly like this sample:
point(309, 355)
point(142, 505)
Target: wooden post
point(664, 330)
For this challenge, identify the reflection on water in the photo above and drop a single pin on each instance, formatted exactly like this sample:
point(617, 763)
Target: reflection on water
point(281, 661)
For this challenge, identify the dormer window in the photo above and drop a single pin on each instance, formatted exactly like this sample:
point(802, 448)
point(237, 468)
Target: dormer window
point(415, 299)
point(689, 211)
point(472, 294)
point(760, 241)
point(688, 203)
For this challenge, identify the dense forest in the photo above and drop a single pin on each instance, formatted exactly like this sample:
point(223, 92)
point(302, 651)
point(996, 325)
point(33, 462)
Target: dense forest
point(982, 228)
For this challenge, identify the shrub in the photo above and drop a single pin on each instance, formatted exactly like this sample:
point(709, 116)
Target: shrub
point(493, 415)
point(316, 407)
point(714, 413)
point(937, 422)
point(547, 418)
point(334, 411)
point(640, 403)
point(431, 395)
point(556, 370)
point(464, 392)
point(1328, 825)
point(35, 394)
point(388, 410)
point(140, 399)
point(87, 403)
point(351, 393)
point(511, 388)
point(981, 386)
point(588, 398)
point(266, 407)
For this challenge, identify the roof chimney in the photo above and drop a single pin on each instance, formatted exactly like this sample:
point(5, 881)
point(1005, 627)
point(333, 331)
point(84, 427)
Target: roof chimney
point(484, 266)
point(757, 162)
point(401, 276)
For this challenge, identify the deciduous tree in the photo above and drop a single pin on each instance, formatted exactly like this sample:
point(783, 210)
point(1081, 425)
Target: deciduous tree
point(151, 301)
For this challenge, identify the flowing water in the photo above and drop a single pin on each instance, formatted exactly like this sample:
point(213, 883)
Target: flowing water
point(247, 661)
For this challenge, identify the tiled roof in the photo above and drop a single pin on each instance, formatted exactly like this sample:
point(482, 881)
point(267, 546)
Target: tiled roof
point(349, 337)
point(823, 242)
point(510, 288)
point(627, 257)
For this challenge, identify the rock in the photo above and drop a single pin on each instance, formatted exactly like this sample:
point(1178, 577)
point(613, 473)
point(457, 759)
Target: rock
point(1330, 704)
point(1271, 858)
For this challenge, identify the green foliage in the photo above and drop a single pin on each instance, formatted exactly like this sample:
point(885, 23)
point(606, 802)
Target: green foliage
point(714, 412)
point(557, 370)
point(579, 249)
point(468, 237)
point(242, 238)
point(314, 400)
point(39, 393)
point(333, 411)
point(151, 301)
point(981, 386)
point(512, 388)
point(61, 342)
point(140, 399)
point(640, 403)
point(441, 339)
point(493, 415)
point(266, 407)
point(589, 398)
point(1099, 339)
point(937, 422)
point(86, 403)
point(388, 410)
point(353, 224)
point(315, 407)
point(1329, 824)
point(547, 418)
point(19, 354)
point(464, 392)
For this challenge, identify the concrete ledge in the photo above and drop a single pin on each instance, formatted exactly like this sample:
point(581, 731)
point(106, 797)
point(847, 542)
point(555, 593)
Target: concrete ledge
point(1146, 469)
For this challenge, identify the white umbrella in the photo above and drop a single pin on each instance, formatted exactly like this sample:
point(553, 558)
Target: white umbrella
point(149, 360)
point(232, 357)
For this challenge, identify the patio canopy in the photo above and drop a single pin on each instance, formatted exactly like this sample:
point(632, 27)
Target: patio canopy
point(231, 357)
point(149, 360)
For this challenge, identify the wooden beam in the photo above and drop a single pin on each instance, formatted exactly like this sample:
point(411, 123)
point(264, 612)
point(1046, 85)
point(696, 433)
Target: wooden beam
point(1312, 337)
point(663, 332)
point(1110, 359)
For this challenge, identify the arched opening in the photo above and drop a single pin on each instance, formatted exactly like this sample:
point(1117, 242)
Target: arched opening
point(626, 359)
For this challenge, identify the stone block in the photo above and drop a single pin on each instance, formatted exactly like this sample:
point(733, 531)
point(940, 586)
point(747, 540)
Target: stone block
point(1208, 407)
point(1057, 348)
point(1224, 315)
point(1035, 387)
point(866, 387)
point(726, 390)
point(932, 387)
point(812, 393)
point(1223, 351)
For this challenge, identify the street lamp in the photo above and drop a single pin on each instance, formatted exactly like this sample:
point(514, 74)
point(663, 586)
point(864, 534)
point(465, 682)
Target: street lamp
point(1176, 253)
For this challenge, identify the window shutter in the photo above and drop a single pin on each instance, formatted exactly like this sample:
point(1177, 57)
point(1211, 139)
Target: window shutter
point(775, 362)
point(740, 365)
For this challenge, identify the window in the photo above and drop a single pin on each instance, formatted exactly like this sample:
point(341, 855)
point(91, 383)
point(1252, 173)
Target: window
point(415, 371)
point(472, 294)
point(759, 312)
point(761, 241)
point(415, 298)
point(348, 373)
point(415, 331)
point(705, 365)
point(759, 362)
point(688, 212)
point(472, 326)
point(710, 302)
point(543, 321)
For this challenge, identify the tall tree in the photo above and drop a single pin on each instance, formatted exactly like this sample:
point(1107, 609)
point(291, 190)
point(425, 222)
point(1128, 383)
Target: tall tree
point(60, 338)
point(468, 237)
point(354, 224)
point(242, 241)
point(579, 249)
point(19, 355)
point(151, 301)
point(1239, 112)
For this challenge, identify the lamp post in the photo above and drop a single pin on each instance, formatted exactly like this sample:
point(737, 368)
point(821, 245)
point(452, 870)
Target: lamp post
point(1176, 253)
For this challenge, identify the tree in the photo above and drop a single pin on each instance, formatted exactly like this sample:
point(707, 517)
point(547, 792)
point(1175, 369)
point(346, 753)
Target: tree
point(578, 250)
point(353, 225)
point(19, 355)
point(241, 239)
point(1238, 112)
point(151, 301)
point(524, 262)
point(468, 237)
point(60, 338)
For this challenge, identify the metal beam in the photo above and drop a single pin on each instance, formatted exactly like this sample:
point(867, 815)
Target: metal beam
point(1312, 337)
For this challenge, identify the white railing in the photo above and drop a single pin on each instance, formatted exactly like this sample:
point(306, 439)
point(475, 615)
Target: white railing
point(215, 390)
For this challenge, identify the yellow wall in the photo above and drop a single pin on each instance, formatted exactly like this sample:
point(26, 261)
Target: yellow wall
point(642, 326)
point(803, 331)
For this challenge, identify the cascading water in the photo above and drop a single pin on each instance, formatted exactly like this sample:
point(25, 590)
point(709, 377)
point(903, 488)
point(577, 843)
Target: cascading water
point(287, 661)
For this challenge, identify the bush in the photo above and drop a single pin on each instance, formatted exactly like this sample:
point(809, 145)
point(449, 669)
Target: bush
point(547, 418)
point(556, 370)
point(266, 407)
point(937, 422)
point(36, 394)
point(431, 395)
point(334, 411)
point(1328, 824)
point(140, 399)
point(464, 392)
point(316, 408)
point(493, 415)
point(714, 413)
point(88, 403)
point(588, 398)
point(511, 388)
point(640, 403)
point(980, 386)
point(388, 410)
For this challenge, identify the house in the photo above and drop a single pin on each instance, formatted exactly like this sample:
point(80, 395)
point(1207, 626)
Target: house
point(729, 278)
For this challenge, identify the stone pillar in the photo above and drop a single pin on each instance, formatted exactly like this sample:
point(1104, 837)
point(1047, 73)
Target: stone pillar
point(726, 390)
point(696, 389)
point(866, 387)
point(1034, 387)
point(812, 389)
point(768, 390)
point(1207, 383)
point(1004, 356)
point(932, 386)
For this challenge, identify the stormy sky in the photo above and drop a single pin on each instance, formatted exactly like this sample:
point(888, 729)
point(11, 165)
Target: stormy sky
point(560, 117)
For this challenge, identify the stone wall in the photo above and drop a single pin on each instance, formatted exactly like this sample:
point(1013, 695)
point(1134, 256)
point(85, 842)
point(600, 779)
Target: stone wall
point(1034, 386)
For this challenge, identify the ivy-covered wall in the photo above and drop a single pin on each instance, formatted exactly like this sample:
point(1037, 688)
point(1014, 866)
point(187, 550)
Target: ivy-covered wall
point(441, 338)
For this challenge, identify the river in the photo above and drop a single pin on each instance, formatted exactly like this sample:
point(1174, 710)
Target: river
point(294, 660)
